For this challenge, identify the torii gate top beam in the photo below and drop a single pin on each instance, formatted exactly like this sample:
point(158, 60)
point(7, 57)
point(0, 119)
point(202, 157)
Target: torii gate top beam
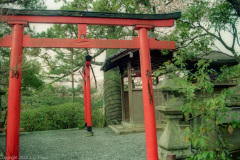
point(82, 19)
point(90, 18)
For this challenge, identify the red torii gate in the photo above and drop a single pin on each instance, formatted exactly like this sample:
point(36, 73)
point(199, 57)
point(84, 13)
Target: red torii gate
point(87, 95)
point(19, 19)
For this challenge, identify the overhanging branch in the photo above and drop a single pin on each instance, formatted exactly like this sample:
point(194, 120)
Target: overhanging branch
point(99, 52)
point(8, 1)
point(97, 63)
point(94, 76)
point(192, 39)
point(218, 38)
point(66, 75)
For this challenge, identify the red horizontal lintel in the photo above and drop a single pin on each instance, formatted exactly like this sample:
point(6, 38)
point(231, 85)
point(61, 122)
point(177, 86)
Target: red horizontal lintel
point(89, 20)
point(148, 27)
point(23, 23)
point(86, 43)
point(6, 41)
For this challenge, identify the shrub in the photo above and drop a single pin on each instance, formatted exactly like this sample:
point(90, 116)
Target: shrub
point(98, 119)
point(68, 115)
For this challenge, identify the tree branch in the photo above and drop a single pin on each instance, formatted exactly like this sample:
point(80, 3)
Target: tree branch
point(234, 35)
point(48, 63)
point(94, 76)
point(66, 75)
point(238, 41)
point(220, 39)
point(97, 63)
point(99, 52)
point(168, 2)
point(8, 1)
point(82, 75)
point(192, 39)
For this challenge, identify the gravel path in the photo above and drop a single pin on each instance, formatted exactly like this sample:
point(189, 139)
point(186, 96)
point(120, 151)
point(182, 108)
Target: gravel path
point(73, 144)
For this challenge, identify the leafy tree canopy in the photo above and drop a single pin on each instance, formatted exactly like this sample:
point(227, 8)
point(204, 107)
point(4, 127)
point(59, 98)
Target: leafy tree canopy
point(31, 69)
point(214, 28)
point(205, 27)
point(27, 4)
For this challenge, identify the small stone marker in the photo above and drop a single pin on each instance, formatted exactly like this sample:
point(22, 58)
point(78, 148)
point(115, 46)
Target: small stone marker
point(171, 157)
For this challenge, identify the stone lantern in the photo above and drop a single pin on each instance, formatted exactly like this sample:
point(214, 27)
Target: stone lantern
point(172, 140)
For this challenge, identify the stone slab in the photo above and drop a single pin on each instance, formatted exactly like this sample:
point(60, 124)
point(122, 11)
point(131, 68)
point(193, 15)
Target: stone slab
point(122, 129)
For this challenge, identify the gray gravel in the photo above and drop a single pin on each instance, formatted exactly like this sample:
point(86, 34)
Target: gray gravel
point(73, 144)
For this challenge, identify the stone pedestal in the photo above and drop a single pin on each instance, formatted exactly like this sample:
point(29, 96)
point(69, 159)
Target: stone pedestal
point(172, 140)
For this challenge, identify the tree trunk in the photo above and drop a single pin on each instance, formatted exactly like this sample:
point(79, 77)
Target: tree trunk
point(72, 75)
point(112, 94)
point(73, 94)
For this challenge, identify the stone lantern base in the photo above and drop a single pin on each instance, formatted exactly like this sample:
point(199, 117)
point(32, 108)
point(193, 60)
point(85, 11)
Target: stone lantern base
point(172, 140)
point(180, 153)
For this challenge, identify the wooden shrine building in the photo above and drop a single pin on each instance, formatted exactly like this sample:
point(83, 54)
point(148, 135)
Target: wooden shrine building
point(128, 62)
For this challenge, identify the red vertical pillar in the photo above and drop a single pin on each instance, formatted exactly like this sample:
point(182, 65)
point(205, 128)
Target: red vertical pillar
point(88, 93)
point(82, 31)
point(14, 92)
point(85, 103)
point(147, 89)
point(82, 34)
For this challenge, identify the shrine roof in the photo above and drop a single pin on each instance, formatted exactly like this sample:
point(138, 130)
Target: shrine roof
point(121, 58)
point(218, 60)
point(110, 62)
point(6, 11)
point(219, 57)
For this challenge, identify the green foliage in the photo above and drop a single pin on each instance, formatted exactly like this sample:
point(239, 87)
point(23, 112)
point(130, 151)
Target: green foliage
point(28, 4)
point(198, 29)
point(98, 119)
point(195, 36)
point(63, 65)
point(203, 103)
point(31, 78)
point(50, 108)
point(63, 116)
point(47, 96)
point(67, 115)
point(228, 73)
